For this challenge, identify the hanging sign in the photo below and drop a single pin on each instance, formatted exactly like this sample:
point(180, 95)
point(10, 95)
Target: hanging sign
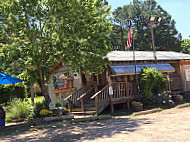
point(110, 90)
point(187, 72)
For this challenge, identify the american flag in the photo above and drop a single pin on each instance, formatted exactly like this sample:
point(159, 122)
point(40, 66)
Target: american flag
point(130, 36)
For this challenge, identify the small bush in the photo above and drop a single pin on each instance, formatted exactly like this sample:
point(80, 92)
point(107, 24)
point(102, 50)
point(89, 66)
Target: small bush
point(159, 100)
point(20, 91)
point(45, 112)
point(19, 108)
point(8, 92)
point(58, 104)
point(38, 107)
point(163, 100)
point(151, 82)
point(136, 103)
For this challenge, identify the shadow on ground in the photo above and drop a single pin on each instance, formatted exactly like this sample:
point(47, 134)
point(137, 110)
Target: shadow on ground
point(78, 132)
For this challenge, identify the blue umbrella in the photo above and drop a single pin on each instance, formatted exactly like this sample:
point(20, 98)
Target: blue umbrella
point(8, 79)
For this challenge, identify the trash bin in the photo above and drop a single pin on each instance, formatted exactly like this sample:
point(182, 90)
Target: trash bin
point(2, 117)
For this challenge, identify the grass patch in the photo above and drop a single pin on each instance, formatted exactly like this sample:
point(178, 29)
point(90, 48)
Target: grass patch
point(17, 109)
point(38, 99)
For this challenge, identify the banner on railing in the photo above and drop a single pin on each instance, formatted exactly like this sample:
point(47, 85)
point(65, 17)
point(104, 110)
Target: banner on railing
point(110, 90)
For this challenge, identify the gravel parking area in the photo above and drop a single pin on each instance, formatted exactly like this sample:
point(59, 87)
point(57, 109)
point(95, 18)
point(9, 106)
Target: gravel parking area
point(171, 125)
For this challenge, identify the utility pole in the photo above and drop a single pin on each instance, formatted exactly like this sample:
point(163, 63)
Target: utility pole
point(153, 22)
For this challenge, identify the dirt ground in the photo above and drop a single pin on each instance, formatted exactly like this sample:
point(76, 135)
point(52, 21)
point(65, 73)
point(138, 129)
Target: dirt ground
point(171, 125)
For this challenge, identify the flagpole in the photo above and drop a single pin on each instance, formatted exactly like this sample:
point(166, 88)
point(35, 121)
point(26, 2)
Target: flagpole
point(135, 64)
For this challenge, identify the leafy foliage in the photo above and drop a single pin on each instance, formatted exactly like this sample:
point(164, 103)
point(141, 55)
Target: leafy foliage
point(38, 107)
point(45, 112)
point(7, 92)
point(164, 100)
point(159, 100)
point(19, 109)
point(186, 46)
point(166, 35)
point(151, 82)
point(41, 33)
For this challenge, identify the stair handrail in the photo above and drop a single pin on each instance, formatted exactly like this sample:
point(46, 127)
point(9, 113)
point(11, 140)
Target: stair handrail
point(84, 94)
point(68, 97)
point(99, 91)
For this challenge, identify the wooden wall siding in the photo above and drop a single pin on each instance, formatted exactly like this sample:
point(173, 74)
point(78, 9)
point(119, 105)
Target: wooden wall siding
point(185, 84)
point(175, 84)
point(176, 81)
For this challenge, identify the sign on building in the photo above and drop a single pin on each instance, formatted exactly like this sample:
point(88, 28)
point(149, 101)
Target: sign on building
point(187, 72)
point(110, 90)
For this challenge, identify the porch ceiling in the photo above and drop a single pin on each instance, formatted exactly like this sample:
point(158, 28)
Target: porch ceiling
point(130, 69)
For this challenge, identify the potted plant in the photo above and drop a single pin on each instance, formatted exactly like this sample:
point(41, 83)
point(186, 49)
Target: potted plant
point(137, 106)
point(177, 98)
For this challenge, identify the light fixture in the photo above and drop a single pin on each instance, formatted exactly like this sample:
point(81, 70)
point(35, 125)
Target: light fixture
point(158, 20)
point(151, 18)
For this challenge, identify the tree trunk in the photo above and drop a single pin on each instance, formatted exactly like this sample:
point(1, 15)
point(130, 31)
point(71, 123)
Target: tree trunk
point(32, 94)
point(42, 86)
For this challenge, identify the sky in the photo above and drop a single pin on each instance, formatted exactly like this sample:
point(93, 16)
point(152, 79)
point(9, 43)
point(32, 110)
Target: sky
point(178, 9)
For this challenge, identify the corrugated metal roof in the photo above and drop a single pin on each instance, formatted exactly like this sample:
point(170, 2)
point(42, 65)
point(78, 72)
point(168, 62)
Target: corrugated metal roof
point(126, 68)
point(146, 55)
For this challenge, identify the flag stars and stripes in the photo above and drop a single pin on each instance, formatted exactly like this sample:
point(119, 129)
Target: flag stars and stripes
point(130, 36)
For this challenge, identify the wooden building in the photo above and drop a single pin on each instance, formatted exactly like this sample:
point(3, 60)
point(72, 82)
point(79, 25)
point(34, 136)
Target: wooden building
point(91, 93)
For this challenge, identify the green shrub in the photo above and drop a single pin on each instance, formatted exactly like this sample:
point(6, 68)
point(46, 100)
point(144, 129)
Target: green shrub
point(163, 100)
point(159, 100)
point(18, 108)
point(151, 82)
point(58, 104)
point(20, 91)
point(8, 92)
point(136, 103)
point(38, 107)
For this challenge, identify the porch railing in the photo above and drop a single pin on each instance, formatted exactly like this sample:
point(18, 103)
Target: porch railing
point(120, 90)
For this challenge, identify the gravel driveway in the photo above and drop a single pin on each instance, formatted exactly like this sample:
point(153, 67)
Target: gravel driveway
point(171, 125)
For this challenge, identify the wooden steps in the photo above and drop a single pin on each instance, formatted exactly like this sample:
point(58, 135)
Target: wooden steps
point(89, 109)
point(86, 109)
point(84, 113)
point(94, 101)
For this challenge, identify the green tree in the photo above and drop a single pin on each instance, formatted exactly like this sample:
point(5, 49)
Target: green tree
point(186, 46)
point(118, 35)
point(139, 12)
point(41, 33)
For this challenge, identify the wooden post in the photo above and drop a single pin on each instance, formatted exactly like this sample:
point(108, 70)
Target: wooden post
point(82, 104)
point(96, 104)
point(96, 89)
point(168, 78)
point(69, 105)
point(97, 77)
point(111, 104)
point(32, 94)
point(118, 85)
point(128, 105)
point(126, 87)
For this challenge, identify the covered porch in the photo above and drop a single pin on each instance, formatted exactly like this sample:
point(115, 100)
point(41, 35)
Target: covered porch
point(124, 80)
